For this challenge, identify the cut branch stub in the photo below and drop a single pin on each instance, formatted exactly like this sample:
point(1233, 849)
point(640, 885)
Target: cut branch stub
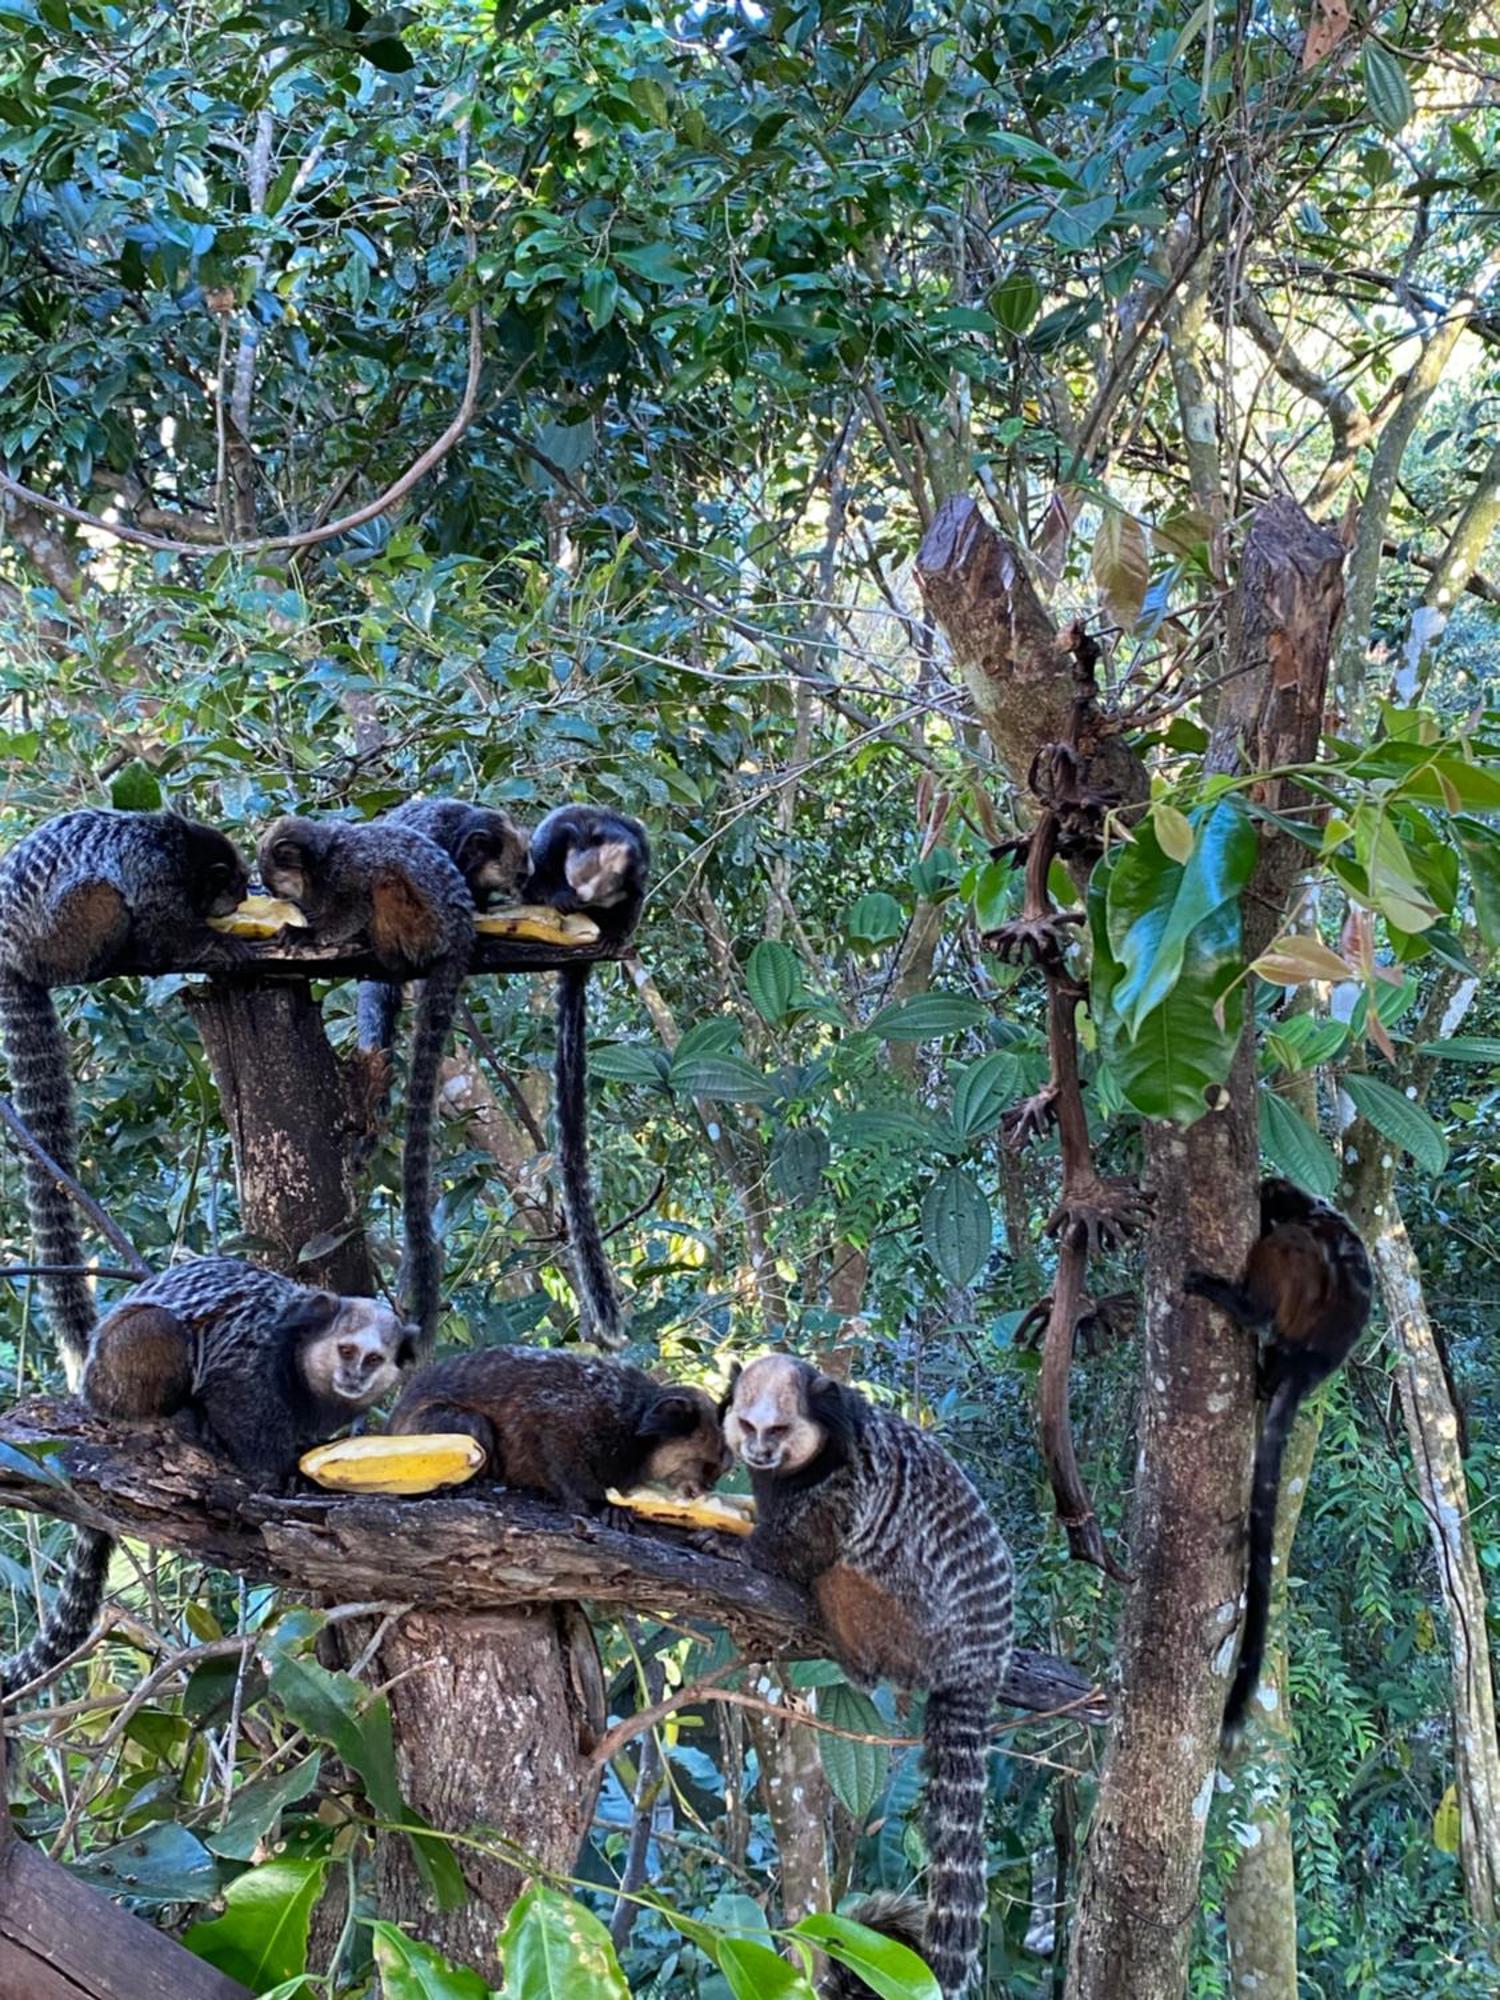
point(475, 1552)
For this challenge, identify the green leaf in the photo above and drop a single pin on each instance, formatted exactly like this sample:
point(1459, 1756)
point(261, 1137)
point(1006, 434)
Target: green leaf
point(799, 1159)
point(890, 1969)
point(927, 1017)
point(261, 1938)
point(600, 293)
point(1401, 1121)
point(996, 886)
point(1179, 1051)
point(724, 1079)
point(1154, 904)
point(1393, 883)
point(1294, 1148)
point(1480, 846)
point(388, 53)
point(411, 1970)
point(30, 1462)
point(856, 1771)
point(1387, 91)
point(258, 1805)
point(902, 1129)
point(875, 919)
point(1464, 1049)
point(163, 1864)
point(1016, 301)
point(756, 1972)
point(771, 973)
point(554, 1949)
point(630, 1062)
point(957, 1226)
point(984, 1092)
point(135, 788)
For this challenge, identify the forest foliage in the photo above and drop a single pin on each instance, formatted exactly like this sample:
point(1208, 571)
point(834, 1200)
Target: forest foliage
point(722, 306)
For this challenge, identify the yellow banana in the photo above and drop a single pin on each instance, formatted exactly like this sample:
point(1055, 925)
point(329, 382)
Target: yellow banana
point(260, 917)
point(538, 923)
point(730, 1513)
point(414, 1464)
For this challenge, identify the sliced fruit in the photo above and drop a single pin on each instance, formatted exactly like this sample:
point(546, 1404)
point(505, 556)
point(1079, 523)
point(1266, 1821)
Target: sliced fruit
point(414, 1464)
point(731, 1513)
point(260, 917)
point(538, 923)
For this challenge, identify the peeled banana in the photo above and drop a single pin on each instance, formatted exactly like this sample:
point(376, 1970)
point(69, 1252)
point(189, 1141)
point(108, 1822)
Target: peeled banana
point(412, 1464)
point(731, 1513)
point(538, 923)
point(260, 917)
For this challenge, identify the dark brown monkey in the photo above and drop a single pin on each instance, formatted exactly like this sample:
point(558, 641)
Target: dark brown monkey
point(567, 1425)
point(80, 896)
point(913, 1584)
point(1306, 1294)
point(243, 1360)
point(588, 860)
point(488, 849)
point(393, 887)
point(900, 1917)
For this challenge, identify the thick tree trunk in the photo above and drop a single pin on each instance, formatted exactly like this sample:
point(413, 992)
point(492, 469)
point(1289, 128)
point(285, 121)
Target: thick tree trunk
point(1432, 1428)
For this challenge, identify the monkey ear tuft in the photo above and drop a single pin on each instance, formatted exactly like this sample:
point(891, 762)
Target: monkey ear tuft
point(313, 1313)
point(736, 1370)
point(409, 1345)
point(674, 1413)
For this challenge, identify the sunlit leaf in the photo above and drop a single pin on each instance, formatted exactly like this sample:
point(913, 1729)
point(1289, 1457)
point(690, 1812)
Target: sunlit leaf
point(957, 1226)
point(856, 1771)
point(261, 1938)
point(1400, 1120)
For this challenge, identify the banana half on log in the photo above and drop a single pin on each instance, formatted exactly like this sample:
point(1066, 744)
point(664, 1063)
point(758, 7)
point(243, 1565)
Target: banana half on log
point(538, 923)
point(414, 1464)
point(730, 1513)
point(260, 917)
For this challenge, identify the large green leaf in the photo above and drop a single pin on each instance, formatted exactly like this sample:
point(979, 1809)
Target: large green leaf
point(411, 1970)
point(799, 1159)
point(630, 1062)
point(891, 1969)
point(957, 1226)
point(261, 1938)
point(258, 1805)
point(1294, 1148)
point(723, 1079)
point(983, 1092)
point(927, 1017)
point(552, 1948)
point(1464, 1049)
point(876, 919)
point(1401, 1121)
point(162, 1864)
point(1180, 1051)
point(771, 973)
point(1480, 846)
point(1154, 903)
point(1387, 91)
point(856, 1771)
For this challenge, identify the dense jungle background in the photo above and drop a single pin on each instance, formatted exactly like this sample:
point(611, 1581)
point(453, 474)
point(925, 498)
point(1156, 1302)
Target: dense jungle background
point(545, 401)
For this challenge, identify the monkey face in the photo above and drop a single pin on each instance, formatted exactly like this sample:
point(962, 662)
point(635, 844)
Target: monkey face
point(691, 1455)
point(291, 855)
point(600, 875)
point(770, 1422)
point(359, 1356)
point(492, 857)
point(218, 877)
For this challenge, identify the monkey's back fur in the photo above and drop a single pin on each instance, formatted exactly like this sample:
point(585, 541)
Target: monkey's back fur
point(913, 1584)
point(79, 896)
point(567, 1425)
point(893, 1916)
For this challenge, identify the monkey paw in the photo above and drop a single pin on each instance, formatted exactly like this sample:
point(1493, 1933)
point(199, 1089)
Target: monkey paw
point(1100, 1213)
point(1030, 1118)
point(1033, 940)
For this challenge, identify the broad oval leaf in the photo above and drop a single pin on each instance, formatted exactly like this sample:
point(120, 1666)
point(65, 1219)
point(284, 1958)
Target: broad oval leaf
point(771, 975)
point(856, 1771)
point(162, 1864)
point(888, 1968)
point(983, 1093)
point(957, 1226)
point(799, 1159)
point(261, 1939)
point(887, 1128)
point(1387, 91)
point(1464, 1049)
point(876, 918)
point(926, 1017)
point(723, 1079)
point(1121, 565)
point(1154, 903)
point(1174, 833)
point(1294, 1148)
point(1401, 1121)
point(411, 1970)
point(552, 1948)
point(1015, 301)
point(1294, 960)
point(630, 1062)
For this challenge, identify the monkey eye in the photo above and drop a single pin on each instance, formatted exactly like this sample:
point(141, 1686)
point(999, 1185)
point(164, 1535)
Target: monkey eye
point(372, 1362)
point(348, 1350)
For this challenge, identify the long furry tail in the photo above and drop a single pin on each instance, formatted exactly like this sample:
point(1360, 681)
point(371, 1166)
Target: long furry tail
point(956, 1739)
point(422, 1268)
point(600, 1300)
point(73, 1612)
point(900, 1917)
point(1277, 1428)
point(37, 1053)
point(377, 1010)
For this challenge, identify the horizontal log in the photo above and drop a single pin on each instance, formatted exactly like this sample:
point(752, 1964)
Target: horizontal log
point(301, 955)
point(472, 1551)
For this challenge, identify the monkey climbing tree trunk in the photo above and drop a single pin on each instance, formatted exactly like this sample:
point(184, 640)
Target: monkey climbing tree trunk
point(494, 1713)
point(1432, 1429)
point(1137, 1904)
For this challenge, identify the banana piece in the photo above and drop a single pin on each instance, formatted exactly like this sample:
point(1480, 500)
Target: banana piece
point(730, 1513)
point(260, 917)
point(413, 1464)
point(538, 923)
